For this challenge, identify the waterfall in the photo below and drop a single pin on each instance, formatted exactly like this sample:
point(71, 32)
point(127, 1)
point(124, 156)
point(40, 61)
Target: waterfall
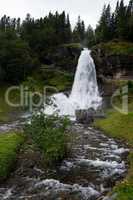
point(84, 94)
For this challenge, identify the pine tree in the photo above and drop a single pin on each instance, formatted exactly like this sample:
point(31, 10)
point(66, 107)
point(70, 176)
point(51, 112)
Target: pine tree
point(103, 30)
point(82, 32)
point(121, 21)
point(18, 25)
point(79, 31)
point(68, 30)
point(130, 21)
point(90, 37)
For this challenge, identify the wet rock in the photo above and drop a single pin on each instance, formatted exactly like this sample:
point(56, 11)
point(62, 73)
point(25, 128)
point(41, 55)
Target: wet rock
point(78, 177)
point(88, 116)
point(85, 116)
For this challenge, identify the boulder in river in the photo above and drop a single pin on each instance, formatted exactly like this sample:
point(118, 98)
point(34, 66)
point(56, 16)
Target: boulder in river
point(85, 116)
point(88, 116)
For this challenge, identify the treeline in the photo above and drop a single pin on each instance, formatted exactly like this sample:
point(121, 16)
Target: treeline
point(24, 45)
point(117, 24)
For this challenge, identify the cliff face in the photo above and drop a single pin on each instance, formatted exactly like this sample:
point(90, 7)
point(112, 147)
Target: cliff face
point(113, 63)
point(113, 59)
point(65, 57)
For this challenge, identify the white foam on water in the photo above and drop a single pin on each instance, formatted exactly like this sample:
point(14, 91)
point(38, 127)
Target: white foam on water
point(57, 186)
point(100, 163)
point(117, 171)
point(120, 151)
point(67, 165)
point(104, 144)
point(86, 147)
point(112, 156)
point(7, 194)
point(84, 94)
point(114, 146)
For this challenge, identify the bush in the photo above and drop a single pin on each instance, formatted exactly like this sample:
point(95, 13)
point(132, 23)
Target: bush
point(49, 134)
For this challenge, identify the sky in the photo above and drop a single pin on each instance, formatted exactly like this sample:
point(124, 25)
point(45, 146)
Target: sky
point(89, 10)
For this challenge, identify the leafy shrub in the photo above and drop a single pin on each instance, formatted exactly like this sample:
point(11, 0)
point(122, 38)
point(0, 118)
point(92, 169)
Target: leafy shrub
point(49, 134)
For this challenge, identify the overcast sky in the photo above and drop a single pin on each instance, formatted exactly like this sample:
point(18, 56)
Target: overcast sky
point(89, 10)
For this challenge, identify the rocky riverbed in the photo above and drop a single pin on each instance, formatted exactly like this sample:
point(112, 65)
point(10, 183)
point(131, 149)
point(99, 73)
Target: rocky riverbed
point(95, 164)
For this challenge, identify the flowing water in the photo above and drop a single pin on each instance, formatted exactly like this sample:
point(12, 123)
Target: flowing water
point(84, 94)
point(95, 163)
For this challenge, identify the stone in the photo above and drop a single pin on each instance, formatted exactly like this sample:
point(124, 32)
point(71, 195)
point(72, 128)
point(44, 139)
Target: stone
point(110, 66)
point(85, 116)
point(88, 116)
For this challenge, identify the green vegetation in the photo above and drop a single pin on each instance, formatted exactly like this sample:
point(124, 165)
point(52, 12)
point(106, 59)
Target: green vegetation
point(9, 146)
point(49, 134)
point(5, 109)
point(121, 126)
point(16, 60)
point(72, 45)
point(27, 45)
point(118, 125)
point(125, 191)
point(24, 45)
point(117, 48)
point(59, 79)
point(117, 24)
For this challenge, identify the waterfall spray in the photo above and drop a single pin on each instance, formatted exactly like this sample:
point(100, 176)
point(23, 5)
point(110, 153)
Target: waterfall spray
point(84, 94)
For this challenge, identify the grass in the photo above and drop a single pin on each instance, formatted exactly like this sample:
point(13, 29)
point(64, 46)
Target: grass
point(117, 48)
point(5, 109)
point(9, 146)
point(73, 45)
point(120, 126)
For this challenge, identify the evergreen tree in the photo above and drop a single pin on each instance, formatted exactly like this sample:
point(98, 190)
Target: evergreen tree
point(130, 21)
point(121, 20)
point(68, 30)
point(104, 29)
point(18, 25)
point(15, 56)
point(79, 31)
point(90, 37)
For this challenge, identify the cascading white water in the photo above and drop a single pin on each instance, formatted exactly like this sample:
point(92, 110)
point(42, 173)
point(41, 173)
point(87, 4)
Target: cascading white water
point(84, 94)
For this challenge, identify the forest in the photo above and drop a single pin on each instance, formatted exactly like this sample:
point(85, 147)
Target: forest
point(25, 43)
point(66, 102)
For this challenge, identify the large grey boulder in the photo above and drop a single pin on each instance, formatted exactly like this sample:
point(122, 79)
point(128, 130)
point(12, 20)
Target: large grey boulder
point(88, 116)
